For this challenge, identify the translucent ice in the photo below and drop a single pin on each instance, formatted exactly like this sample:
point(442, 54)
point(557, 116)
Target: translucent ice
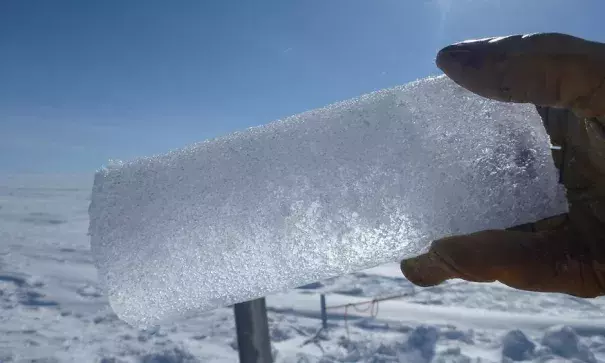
point(327, 192)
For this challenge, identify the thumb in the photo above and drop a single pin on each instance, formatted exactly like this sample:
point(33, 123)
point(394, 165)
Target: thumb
point(532, 261)
point(546, 69)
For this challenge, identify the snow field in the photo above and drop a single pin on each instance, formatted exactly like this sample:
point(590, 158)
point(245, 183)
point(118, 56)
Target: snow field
point(52, 307)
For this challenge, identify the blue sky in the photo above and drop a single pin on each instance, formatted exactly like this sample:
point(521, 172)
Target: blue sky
point(85, 81)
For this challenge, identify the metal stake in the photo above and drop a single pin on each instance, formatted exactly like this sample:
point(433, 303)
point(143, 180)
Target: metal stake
point(253, 332)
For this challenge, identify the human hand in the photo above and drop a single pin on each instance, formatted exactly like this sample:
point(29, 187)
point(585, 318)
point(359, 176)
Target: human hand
point(564, 77)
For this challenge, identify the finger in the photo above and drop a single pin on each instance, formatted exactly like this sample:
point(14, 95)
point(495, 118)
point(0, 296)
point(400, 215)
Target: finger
point(546, 69)
point(532, 261)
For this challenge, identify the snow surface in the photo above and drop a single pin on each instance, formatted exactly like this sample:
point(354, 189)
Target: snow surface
point(52, 308)
point(328, 192)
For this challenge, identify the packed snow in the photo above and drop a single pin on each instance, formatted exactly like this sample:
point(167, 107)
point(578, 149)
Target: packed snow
point(328, 192)
point(53, 309)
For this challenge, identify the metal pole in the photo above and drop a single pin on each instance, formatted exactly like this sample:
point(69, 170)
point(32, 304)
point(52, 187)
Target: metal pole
point(253, 332)
point(324, 313)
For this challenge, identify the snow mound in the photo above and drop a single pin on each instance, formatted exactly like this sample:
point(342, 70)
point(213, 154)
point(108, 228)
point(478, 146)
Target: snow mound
point(564, 341)
point(320, 194)
point(517, 346)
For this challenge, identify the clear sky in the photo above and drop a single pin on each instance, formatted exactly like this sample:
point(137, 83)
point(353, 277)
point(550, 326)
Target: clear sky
point(82, 81)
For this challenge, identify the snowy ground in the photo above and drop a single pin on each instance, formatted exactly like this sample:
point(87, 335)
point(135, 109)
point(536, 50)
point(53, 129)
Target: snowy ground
point(52, 310)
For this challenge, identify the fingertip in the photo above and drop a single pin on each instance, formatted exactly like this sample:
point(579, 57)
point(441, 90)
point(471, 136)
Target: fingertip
point(424, 271)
